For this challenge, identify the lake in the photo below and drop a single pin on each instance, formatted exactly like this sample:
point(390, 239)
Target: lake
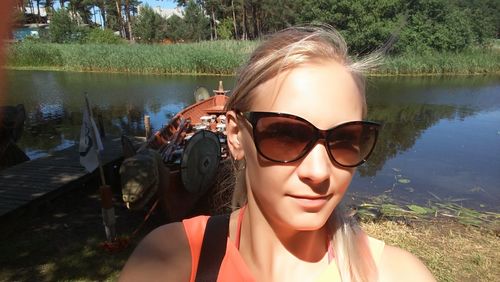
point(440, 138)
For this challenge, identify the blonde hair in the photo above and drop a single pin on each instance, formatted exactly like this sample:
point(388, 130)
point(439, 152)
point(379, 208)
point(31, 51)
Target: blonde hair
point(284, 50)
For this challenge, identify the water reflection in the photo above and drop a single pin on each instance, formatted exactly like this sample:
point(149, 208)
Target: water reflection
point(440, 140)
point(441, 136)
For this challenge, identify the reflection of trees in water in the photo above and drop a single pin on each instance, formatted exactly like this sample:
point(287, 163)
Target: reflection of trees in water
point(51, 127)
point(402, 127)
point(126, 119)
point(48, 126)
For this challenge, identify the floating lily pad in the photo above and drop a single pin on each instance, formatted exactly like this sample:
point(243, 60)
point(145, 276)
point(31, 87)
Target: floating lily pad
point(476, 189)
point(418, 209)
point(404, 180)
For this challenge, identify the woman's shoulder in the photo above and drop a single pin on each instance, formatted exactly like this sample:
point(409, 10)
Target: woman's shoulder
point(399, 265)
point(164, 254)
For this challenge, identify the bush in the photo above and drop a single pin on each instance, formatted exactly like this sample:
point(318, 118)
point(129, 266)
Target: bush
point(62, 28)
point(102, 36)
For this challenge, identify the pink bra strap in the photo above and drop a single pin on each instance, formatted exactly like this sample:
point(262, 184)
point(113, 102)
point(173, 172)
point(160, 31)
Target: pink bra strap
point(238, 228)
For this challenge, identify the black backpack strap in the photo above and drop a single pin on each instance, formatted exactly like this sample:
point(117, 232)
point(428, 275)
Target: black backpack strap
point(213, 248)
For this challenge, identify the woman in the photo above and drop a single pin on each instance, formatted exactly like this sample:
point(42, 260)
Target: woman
point(295, 132)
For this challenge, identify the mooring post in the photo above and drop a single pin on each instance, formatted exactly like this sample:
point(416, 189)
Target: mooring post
point(100, 124)
point(147, 126)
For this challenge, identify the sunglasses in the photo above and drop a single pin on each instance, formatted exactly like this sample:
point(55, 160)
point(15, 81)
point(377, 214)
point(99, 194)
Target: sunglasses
point(285, 138)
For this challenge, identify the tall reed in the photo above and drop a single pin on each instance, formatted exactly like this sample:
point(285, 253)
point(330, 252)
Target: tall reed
point(219, 57)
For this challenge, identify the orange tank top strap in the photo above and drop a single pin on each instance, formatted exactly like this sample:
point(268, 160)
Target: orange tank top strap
point(195, 228)
point(238, 227)
point(232, 268)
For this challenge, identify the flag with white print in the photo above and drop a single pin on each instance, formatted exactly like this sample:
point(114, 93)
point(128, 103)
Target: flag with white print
point(90, 143)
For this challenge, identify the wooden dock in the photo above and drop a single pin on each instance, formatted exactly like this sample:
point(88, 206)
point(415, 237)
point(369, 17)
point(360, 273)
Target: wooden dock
point(45, 178)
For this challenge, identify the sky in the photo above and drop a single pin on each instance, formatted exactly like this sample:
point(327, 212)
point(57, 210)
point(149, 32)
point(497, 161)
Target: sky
point(161, 3)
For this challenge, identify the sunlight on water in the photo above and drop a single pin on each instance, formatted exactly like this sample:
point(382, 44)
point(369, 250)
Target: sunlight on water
point(440, 136)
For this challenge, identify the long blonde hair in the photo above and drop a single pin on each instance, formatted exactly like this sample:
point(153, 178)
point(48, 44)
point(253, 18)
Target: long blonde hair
point(285, 50)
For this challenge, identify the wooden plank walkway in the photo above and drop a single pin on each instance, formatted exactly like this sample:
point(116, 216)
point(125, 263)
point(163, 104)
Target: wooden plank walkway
point(45, 178)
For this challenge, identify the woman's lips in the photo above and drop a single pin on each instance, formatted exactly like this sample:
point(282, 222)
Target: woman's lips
point(310, 202)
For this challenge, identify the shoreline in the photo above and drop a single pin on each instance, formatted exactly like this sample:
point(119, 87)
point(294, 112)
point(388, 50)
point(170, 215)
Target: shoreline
point(369, 74)
point(222, 58)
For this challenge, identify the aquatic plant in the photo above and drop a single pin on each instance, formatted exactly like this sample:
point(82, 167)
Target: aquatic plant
point(219, 57)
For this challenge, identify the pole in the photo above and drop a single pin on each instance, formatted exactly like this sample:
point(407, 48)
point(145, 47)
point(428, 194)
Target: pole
point(106, 195)
point(147, 126)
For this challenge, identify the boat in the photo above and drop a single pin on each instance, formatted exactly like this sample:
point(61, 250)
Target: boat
point(179, 164)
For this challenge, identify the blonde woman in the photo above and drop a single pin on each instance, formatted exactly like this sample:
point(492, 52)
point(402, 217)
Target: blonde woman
point(296, 133)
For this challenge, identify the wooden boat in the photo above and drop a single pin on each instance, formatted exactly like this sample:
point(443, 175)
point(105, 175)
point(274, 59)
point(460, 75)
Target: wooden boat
point(179, 164)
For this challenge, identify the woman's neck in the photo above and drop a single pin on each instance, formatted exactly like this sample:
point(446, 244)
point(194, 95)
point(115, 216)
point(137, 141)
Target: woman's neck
point(271, 248)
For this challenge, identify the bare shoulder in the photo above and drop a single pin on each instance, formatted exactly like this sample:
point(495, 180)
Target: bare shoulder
point(399, 265)
point(163, 255)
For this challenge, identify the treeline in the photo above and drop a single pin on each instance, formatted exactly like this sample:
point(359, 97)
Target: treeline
point(417, 26)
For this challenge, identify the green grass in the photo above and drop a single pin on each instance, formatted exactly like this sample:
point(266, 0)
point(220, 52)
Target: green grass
point(60, 241)
point(218, 57)
point(476, 61)
point(451, 251)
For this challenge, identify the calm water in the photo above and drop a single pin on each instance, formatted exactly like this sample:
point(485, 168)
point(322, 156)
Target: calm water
point(441, 136)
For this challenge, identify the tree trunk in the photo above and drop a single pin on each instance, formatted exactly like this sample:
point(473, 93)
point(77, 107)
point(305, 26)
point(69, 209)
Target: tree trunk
point(49, 9)
point(234, 21)
point(39, 17)
point(94, 14)
point(129, 25)
point(21, 6)
point(30, 5)
point(254, 20)
point(102, 8)
point(215, 23)
point(245, 34)
point(119, 18)
point(211, 30)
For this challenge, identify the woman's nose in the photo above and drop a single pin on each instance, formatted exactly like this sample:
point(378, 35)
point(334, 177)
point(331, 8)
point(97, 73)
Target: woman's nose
point(316, 166)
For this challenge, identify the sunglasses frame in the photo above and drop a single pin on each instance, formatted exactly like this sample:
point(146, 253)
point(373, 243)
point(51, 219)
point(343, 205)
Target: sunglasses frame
point(319, 134)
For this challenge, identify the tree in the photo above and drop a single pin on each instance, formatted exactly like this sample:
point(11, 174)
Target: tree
point(62, 28)
point(149, 26)
point(129, 24)
point(196, 22)
point(175, 28)
point(435, 25)
point(226, 29)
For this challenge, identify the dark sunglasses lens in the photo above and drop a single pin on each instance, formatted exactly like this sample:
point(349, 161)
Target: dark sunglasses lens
point(352, 143)
point(282, 138)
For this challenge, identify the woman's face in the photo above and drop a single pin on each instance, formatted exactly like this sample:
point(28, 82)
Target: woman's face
point(302, 194)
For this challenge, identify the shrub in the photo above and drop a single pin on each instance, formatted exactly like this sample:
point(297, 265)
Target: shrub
point(102, 36)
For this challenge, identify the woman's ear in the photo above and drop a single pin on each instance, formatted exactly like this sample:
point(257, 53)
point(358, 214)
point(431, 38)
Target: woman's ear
point(234, 133)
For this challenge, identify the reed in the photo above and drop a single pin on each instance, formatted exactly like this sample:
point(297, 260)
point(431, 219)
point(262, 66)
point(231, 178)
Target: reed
point(218, 57)
point(474, 61)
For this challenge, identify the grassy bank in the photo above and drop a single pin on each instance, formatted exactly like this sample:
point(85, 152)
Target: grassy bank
point(219, 57)
point(60, 242)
